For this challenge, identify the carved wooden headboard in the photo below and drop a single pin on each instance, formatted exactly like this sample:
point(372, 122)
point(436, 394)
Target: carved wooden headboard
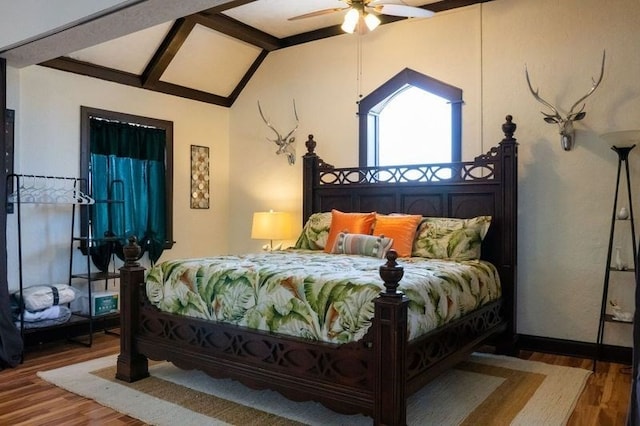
point(486, 186)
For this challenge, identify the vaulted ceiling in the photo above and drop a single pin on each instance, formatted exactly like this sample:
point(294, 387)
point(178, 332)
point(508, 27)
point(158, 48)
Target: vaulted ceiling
point(206, 50)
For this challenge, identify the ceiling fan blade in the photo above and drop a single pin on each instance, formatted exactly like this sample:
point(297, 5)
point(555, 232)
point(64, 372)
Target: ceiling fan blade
point(318, 13)
point(402, 10)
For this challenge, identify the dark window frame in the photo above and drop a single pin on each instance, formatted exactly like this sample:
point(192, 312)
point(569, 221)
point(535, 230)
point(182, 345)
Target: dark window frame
point(85, 155)
point(370, 105)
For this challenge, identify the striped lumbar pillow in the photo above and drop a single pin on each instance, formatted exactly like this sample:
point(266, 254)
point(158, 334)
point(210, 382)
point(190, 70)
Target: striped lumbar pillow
point(366, 245)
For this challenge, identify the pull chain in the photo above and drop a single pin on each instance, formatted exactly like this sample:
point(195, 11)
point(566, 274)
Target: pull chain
point(358, 69)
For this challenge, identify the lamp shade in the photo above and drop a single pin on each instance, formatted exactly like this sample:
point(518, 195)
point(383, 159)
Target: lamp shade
point(272, 226)
point(622, 137)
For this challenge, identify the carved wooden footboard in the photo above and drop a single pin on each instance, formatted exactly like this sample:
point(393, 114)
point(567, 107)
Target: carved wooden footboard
point(376, 374)
point(366, 377)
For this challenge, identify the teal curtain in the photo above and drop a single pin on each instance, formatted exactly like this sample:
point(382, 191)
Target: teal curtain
point(128, 184)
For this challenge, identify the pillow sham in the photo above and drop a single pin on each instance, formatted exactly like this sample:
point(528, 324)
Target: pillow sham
point(365, 245)
point(451, 238)
point(401, 228)
point(315, 232)
point(353, 223)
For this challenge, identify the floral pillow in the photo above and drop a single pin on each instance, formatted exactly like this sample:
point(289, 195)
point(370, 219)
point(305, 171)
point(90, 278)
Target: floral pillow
point(365, 245)
point(450, 238)
point(315, 232)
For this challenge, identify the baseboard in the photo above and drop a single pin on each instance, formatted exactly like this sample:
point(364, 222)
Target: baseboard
point(608, 353)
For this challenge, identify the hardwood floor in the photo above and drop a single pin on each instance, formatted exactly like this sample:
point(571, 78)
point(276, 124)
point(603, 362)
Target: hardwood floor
point(25, 399)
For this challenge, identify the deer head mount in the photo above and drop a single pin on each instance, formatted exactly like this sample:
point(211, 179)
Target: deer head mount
point(285, 143)
point(565, 124)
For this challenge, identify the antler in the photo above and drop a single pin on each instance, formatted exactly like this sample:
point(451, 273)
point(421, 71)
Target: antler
point(573, 116)
point(593, 87)
point(280, 140)
point(295, 112)
point(555, 117)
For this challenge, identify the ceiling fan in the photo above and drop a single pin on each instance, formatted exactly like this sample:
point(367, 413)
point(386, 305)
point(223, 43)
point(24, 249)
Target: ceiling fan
point(361, 15)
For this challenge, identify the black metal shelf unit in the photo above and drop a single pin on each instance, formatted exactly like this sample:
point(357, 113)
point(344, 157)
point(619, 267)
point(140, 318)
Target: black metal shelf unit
point(623, 157)
point(39, 189)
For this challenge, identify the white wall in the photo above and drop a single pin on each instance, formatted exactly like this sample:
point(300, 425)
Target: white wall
point(566, 198)
point(48, 143)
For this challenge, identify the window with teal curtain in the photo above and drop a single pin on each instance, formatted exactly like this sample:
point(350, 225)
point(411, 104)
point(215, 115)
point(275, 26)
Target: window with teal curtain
point(128, 183)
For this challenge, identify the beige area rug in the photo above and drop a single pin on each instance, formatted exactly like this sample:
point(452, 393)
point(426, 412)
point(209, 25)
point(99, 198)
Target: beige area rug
point(485, 390)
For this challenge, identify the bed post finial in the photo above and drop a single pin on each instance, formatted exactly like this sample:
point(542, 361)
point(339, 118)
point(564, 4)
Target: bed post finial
point(391, 274)
point(509, 128)
point(132, 252)
point(310, 144)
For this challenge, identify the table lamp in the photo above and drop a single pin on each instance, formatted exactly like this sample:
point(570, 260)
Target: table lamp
point(272, 226)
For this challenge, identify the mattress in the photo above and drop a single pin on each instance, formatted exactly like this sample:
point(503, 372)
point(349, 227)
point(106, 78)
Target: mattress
point(315, 295)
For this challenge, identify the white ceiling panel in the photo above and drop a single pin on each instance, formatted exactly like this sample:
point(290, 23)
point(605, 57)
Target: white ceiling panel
point(210, 61)
point(130, 53)
point(271, 16)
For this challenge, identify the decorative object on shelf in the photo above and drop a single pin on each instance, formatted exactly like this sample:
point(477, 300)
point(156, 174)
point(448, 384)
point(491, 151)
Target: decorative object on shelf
point(620, 264)
point(199, 177)
point(272, 226)
point(623, 213)
point(565, 124)
point(285, 143)
point(361, 17)
point(618, 313)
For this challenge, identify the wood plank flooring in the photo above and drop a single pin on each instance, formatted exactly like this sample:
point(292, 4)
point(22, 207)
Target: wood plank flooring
point(25, 399)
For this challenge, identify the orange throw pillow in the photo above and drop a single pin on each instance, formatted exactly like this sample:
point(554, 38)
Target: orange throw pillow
point(401, 228)
point(353, 223)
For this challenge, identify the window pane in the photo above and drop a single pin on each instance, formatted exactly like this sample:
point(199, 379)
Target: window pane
point(414, 128)
point(410, 119)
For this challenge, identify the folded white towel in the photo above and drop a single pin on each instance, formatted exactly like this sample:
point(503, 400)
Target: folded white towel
point(48, 317)
point(40, 297)
point(54, 312)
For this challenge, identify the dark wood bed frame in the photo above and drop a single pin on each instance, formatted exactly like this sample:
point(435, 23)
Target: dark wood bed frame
point(375, 375)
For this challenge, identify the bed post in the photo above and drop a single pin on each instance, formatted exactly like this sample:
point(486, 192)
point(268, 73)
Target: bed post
point(390, 343)
point(309, 176)
point(509, 167)
point(131, 365)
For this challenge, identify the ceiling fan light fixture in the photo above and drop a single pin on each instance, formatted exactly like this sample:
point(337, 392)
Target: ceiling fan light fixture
point(350, 21)
point(372, 21)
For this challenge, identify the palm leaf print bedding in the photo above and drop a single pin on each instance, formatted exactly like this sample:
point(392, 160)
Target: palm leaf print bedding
point(315, 295)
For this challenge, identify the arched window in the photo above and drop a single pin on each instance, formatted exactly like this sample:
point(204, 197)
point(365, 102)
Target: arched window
point(410, 119)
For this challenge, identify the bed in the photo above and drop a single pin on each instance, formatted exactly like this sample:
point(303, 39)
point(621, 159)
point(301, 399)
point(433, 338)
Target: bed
point(372, 374)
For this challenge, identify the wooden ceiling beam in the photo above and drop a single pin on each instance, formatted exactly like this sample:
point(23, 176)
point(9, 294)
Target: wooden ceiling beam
point(129, 79)
point(172, 42)
point(226, 6)
point(238, 30)
point(451, 4)
point(247, 76)
point(189, 93)
point(75, 66)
